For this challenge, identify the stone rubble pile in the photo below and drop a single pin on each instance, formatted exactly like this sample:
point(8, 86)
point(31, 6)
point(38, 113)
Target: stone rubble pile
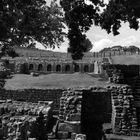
point(17, 118)
point(70, 105)
point(124, 119)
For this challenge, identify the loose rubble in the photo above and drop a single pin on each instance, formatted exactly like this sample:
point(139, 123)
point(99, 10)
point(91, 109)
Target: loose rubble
point(17, 117)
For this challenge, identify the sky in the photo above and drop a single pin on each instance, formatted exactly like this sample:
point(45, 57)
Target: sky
point(100, 39)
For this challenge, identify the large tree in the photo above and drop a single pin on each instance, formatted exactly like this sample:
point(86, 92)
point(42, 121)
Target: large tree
point(22, 22)
point(80, 16)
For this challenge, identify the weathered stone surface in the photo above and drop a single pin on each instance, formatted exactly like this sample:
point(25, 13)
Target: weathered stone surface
point(70, 105)
point(33, 95)
point(124, 119)
point(62, 135)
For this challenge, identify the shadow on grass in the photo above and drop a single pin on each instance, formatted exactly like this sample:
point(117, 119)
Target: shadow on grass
point(93, 75)
point(101, 77)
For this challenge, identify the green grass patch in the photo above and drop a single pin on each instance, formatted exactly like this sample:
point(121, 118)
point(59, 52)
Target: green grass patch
point(21, 81)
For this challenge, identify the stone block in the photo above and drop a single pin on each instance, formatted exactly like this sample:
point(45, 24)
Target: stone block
point(65, 127)
point(73, 135)
point(80, 137)
point(62, 135)
point(75, 117)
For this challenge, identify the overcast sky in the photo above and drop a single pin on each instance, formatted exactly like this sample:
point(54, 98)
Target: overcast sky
point(101, 39)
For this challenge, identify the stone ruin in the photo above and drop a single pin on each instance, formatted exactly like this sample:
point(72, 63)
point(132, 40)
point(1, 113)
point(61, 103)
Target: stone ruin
point(120, 113)
point(113, 104)
point(27, 65)
point(17, 118)
point(70, 106)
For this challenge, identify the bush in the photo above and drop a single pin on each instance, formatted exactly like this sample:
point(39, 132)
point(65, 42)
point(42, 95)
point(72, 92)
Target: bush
point(4, 72)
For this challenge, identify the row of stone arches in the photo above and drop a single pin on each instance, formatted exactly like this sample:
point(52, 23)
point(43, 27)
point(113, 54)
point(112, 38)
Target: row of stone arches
point(58, 68)
point(40, 67)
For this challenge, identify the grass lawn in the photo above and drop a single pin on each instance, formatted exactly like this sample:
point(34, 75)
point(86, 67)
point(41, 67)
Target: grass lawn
point(21, 81)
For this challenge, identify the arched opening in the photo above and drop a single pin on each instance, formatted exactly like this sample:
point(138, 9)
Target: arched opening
point(49, 67)
point(58, 68)
point(31, 67)
point(67, 68)
point(92, 67)
point(24, 68)
point(86, 68)
point(76, 68)
point(40, 67)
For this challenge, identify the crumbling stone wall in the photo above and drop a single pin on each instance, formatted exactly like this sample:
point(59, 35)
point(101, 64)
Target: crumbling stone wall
point(84, 111)
point(72, 100)
point(33, 95)
point(70, 105)
point(124, 119)
point(96, 104)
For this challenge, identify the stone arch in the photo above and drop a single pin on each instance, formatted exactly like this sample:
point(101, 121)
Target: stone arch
point(58, 68)
point(76, 68)
point(86, 68)
point(40, 67)
point(49, 67)
point(31, 66)
point(24, 68)
point(67, 68)
point(93, 67)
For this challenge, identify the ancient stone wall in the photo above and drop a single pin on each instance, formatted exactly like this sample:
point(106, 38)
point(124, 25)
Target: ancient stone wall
point(33, 95)
point(53, 67)
point(73, 101)
point(46, 65)
point(84, 111)
point(70, 105)
point(124, 119)
point(114, 104)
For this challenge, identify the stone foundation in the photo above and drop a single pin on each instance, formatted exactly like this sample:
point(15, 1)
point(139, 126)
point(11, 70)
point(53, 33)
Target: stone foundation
point(33, 95)
point(83, 106)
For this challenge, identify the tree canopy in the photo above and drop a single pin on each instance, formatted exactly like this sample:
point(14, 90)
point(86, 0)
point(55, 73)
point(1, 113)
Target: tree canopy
point(22, 22)
point(80, 16)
